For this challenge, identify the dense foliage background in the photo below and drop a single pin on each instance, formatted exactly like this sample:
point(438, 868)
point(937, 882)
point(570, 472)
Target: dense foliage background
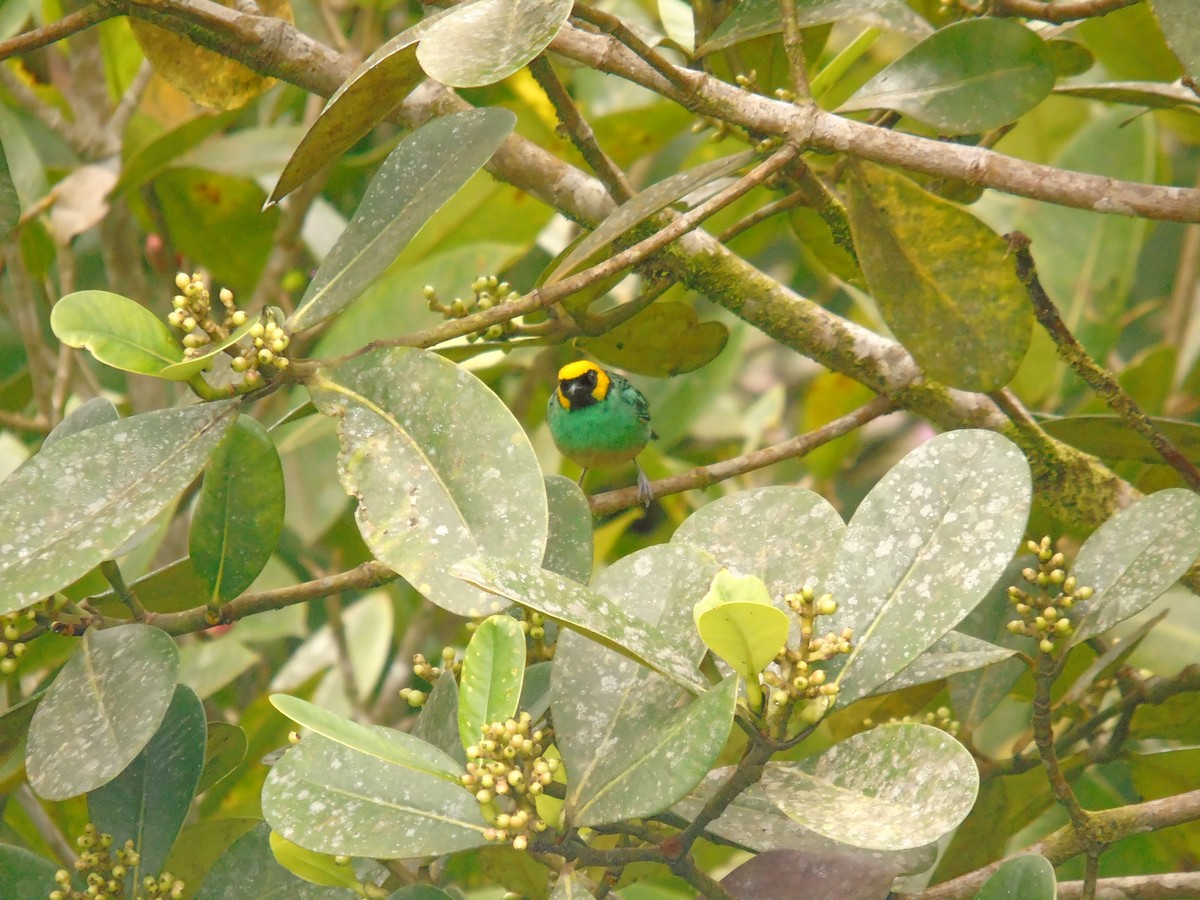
point(908, 285)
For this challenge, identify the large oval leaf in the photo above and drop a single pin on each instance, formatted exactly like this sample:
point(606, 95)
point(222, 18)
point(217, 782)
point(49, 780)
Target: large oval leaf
point(941, 279)
point(248, 869)
point(493, 670)
point(1030, 877)
point(923, 549)
point(754, 18)
point(966, 77)
point(1135, 556)
point(149, 800)
point(103, 708)
point(239, 515)
point(440, 467)
point(569, 543)
point(420, 175)
point(116, 330)
point(666, 339)
point(483, 42)
point(894, 787)
point(73, 505)
point(329, 797)
point(1180, 23)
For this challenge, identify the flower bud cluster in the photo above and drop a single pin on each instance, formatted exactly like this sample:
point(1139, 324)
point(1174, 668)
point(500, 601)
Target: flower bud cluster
point(1044, 611)
point(193, 314)
point(486, 292)
point(534, 626)
point(268, 343)
point(507, 772)
point(797, 675)
point(938, 718)
point(422, 668)
point(105, 876)
point(12, 640)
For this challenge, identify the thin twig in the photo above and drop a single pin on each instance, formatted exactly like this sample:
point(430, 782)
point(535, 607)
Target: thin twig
point(112, 574)
point(1047, 671)
point(620, 31)
point(70, 24)
point(783, 204)
point(1106, 387)
point(580, 132)
point(337, 627)
point(702, 476)
point(793, 47)
point(1059, 10)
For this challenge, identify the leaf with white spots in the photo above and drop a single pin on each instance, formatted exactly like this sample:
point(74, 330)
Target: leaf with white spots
point(923, 550)
point(569, 544)
point(103, 708)
point(73, 505)
point(333, 798)
point(894, 787)
point(387, 745)
point(1134, 557)
point(753, 821)
point(441, 470)
point(1029, 877)
point(952, 654)
point(248, 869)
point(493, 670)
point(629, 750)
point(601, 618)
point(785, 535)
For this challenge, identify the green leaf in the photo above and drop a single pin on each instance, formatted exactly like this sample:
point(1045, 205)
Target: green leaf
point(223, 753)
point(313, 867)
point(103, 708)
point(493, 669)
point(73, 505)
point(118, 331)
point(637, 209)
point(208, 666)
point(583, 609)
point(755, 18)
point(1029, 877)
point(434, 488)
point(26, 874)
point(364, 100)
point(1180, 24)
point(569, 542)
point(97, 411)
point(666, 338)
point(486, 41)
point(785, 535)
point(248, 869)
point(614, 741)
point(420, 892)
point(201, 362)
point(10, 203)
point(1109, 437)
point(395, 748)
point(437, 723)
point(239, 515)
point(335, 798)
point(951, 654)
point(738, 623)
point(1152, 94)
point(149, 800)
point(941, 279)
point(14, 724)
point(421, 174)
point(923, 548)
point(967, 77)
point(1134, 557)
point(895, 787)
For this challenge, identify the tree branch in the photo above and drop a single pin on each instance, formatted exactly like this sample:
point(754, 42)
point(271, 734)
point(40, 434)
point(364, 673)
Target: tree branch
point(1058, 11)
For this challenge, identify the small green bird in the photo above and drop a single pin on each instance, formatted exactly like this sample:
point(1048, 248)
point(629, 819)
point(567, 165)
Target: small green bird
point(598, 418)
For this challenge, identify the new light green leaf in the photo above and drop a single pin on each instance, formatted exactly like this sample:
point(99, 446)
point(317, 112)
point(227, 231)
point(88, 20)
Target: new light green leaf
point(118, 331)
point(73, 505)
point(942, 280)
point(585, 610)
point(895, 787)
point(248, 869)
point(967, 77)
point(313, 867)
point(738, 623)
point(149, 800)
point(486, 41)
point(416, 179)
point(923, 549)
point(493, 670)
point(333, 798)
point(396, 748)
point(103, 708)
point(441, 469)
point(1134, 557)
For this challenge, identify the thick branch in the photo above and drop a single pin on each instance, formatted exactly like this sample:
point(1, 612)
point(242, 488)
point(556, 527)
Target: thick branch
point(1059, 10)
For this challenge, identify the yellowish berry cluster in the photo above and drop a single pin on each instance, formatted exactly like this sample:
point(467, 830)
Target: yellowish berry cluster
point(193, 314)
point(431, 673)
point(105, 875)
point(939, 718)
point(507, 772)
point(12, 647)
point(1044, 612)
point(534, 626)
point(268, 343)
point(486, 293)
point(797, 675)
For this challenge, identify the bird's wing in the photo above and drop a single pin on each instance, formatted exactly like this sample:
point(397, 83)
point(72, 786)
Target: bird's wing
point(633, 396)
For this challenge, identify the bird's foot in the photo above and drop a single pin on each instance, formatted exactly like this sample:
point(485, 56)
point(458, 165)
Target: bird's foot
point(645, 491)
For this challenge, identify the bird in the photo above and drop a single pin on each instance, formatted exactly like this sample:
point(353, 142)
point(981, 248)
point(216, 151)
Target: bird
point(597, 418)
